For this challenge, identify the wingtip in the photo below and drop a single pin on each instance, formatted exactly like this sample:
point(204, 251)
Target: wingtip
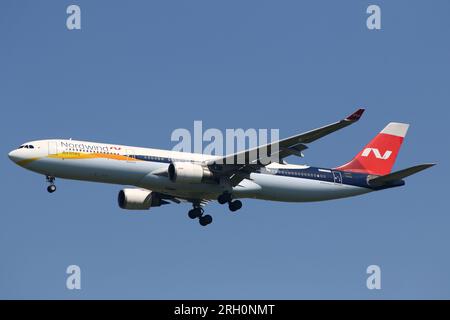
point(355, 116)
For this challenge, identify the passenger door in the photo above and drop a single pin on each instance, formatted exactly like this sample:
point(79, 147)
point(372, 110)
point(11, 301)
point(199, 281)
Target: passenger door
point(131, 156)
point(52, 147)
point(337, 177)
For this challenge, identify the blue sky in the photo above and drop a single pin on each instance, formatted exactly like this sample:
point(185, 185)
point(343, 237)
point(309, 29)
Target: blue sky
point(138, 70)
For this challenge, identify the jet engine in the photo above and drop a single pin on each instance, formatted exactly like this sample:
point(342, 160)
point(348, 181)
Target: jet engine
point(188, 172)
point(138, 199)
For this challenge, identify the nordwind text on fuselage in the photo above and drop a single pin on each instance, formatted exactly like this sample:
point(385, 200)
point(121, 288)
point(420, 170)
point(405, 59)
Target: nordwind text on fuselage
point(89, 147)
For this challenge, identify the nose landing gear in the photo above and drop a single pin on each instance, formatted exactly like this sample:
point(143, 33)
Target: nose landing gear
point(51, 180)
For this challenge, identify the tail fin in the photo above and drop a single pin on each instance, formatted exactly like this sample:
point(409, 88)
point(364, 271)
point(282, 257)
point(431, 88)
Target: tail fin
point(379, 155)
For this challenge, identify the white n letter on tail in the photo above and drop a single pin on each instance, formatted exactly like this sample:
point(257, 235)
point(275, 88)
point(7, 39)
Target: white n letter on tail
point(377, 153)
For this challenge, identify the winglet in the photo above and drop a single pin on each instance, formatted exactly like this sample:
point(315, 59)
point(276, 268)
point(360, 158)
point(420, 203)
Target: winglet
point(355, 115)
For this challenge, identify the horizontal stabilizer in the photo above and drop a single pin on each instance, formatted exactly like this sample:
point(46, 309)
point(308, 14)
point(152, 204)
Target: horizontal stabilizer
point(398, 175)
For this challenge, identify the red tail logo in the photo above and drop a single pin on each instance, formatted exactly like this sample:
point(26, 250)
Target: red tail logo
point(379, 155)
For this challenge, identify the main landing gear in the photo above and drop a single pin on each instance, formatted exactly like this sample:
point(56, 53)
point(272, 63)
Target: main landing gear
point(51, 180)
point(227, 198)
point(198, 212)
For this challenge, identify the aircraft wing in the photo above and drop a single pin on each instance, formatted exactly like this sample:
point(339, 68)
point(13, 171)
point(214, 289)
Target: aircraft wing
point(239, 165)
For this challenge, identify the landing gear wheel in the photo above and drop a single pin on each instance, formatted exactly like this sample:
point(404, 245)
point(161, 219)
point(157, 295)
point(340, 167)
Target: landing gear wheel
point(51, 180)
point(205, 220)
point(195, 213)
point(198, 212)
point(51, 188)
point(235, 205)
point(224, 198)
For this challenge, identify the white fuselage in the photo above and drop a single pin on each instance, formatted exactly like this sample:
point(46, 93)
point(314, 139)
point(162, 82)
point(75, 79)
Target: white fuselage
point(146, 168)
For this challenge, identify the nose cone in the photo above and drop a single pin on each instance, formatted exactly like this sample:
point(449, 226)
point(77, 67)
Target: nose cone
point(13, 156)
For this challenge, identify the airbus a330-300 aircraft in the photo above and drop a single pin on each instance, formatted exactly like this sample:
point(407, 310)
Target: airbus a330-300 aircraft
point(159, 177)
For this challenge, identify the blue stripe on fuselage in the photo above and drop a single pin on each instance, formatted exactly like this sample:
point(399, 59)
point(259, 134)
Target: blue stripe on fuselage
point(335, 176)
point(313, 173)
point(324, 174)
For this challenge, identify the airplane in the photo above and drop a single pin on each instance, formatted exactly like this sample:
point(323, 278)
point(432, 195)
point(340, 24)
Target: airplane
point(160, 177)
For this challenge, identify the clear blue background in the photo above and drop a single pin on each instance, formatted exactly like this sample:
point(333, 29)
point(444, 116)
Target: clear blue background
point(138, 70)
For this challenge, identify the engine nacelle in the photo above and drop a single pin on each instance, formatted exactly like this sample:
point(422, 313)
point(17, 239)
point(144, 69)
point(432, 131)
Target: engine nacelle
point(138, 199)
point(188, 172)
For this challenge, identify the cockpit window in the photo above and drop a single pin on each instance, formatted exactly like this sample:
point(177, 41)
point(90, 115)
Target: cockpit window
point(28, 146)
point(31, 146)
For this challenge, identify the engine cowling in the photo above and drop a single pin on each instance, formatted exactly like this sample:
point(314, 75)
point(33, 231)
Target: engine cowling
point(137, 199)
point(187, 172)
